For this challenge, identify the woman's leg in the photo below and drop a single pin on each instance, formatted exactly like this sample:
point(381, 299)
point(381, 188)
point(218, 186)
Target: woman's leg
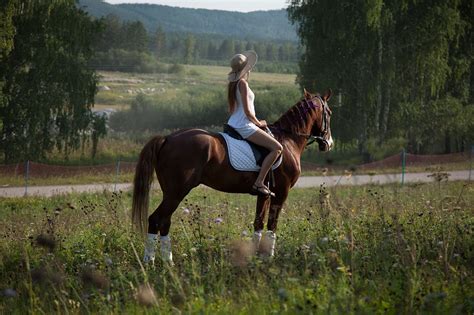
point(265, 140)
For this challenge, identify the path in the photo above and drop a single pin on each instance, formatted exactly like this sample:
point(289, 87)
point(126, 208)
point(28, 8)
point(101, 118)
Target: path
point(303, 182)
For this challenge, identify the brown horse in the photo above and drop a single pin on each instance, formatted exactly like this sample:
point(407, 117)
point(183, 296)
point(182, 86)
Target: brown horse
point(187, 158)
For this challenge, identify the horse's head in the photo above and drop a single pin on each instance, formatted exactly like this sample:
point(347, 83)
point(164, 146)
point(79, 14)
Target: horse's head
point(321, 130)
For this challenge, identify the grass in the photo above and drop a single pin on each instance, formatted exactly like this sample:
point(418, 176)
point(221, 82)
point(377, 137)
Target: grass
point(372, 249)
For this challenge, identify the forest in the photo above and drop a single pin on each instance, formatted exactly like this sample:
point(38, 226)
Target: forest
point(402, 70)
point(128, 46)
point(401, 73)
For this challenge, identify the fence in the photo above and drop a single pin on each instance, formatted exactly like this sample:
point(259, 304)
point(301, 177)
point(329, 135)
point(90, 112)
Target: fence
point(401, 161)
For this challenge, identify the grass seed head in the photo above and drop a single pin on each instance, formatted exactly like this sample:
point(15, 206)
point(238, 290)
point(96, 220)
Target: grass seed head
point(47, 241)
point(241, 253)
point(95, 278)
point(146, 296)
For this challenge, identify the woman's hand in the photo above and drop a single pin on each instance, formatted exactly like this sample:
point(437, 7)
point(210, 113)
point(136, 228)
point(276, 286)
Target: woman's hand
point(263, 124)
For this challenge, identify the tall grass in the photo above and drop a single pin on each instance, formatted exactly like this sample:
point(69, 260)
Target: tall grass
point(373, 249)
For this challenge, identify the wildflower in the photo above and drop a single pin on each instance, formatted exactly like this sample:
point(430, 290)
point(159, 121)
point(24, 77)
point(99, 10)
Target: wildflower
point(305, 247)
point(108, 261)
point(218, 220)
point(186, 211)
point(9, 293)
point(282, 294)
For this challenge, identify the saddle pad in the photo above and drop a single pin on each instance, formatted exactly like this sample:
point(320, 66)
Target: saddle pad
point(241, 156)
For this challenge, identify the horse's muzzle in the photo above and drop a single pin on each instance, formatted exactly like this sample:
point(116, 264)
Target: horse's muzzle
point(325, 144)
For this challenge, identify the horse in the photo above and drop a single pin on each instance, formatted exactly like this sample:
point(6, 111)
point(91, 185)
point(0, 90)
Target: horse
point(190, 157)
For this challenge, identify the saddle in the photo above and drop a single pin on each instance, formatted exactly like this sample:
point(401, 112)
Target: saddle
point(259, 152)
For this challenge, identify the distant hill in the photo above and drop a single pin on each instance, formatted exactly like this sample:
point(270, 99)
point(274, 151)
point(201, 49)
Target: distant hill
point(253, 25)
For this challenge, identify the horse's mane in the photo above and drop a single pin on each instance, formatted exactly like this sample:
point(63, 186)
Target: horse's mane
point(295, 118)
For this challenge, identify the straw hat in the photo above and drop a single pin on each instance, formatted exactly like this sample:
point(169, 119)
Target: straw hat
point(241, 64)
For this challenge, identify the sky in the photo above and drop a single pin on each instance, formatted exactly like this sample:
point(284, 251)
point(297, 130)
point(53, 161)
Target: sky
point(228, 5)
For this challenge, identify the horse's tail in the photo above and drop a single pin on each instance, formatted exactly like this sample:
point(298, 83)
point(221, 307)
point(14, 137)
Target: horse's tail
point(142, 181)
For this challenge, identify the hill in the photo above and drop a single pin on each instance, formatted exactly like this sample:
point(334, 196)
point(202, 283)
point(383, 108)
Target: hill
point(272, 24)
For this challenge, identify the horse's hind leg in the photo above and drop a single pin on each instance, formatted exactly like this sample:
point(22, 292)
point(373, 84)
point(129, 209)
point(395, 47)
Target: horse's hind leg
point(160, 220)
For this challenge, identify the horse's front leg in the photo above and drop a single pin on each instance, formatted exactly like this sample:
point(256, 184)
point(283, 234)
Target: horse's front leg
point(262, 205)
point(267, 246)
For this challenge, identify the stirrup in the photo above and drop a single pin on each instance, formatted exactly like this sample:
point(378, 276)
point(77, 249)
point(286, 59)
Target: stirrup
point(262, 191)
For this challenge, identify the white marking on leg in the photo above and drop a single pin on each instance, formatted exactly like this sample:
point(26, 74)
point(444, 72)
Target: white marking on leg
point(267, 244)
point(257, 236)
point(270, 241)
point(166, 253)
point(150, 243)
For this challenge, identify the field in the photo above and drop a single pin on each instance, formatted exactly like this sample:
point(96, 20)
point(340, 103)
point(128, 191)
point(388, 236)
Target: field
point(118, 89)
point(372, 249)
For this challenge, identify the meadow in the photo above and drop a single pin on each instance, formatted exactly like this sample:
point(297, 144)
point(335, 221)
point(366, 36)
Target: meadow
point(118, 89)
point(353, 250)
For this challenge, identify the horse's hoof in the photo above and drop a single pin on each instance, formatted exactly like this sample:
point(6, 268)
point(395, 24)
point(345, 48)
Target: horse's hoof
point(149, 261)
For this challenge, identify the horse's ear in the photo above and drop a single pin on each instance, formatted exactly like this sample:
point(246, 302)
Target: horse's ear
point(327, 95)
point(307, 94)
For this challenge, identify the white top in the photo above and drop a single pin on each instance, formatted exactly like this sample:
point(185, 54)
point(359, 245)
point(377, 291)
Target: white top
point(238, 119)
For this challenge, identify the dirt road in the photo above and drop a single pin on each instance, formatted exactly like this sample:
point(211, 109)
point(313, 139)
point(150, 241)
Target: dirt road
point(303, 182)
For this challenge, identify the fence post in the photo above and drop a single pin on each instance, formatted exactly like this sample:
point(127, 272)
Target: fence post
point(470, 159)
point(27, 176)
point(117, 173)
point(403, 165)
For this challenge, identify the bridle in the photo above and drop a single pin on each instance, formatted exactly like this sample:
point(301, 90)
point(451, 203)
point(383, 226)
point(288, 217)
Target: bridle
point(311, 138)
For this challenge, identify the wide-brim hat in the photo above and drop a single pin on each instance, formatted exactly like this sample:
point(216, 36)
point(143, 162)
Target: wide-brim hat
point(242, 64)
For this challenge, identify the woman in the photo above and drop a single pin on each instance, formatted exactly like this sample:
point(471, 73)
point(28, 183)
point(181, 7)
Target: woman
point(243, 120)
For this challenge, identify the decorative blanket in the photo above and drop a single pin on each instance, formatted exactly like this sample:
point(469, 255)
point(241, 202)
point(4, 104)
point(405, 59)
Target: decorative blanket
point(241, 156)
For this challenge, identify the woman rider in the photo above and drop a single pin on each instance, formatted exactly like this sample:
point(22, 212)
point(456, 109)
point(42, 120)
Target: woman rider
point(241, 106)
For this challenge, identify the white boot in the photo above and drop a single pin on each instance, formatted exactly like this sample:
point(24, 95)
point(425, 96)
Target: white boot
point(267, 246)
point(257, 236)
point(166, 253)
point(150, 243)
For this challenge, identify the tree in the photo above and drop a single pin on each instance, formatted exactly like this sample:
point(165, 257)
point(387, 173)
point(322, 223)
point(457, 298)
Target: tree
point(136, 37)
point(48, 86)
point(227, 48)
point(189, 49)
point(98, 130)
point(392, 61)
point(159, 42)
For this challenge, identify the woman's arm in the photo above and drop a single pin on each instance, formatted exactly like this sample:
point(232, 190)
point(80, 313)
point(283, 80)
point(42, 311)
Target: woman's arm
point(243, 87)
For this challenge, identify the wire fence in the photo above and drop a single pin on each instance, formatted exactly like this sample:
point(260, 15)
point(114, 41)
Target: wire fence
point(398, 163)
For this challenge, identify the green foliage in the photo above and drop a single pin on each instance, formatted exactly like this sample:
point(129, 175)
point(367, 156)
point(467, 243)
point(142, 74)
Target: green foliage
point(391, 146)
point(199, 106)
point(366, 250)
point(402, 68)
point(126, 61)
point(48, 87)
